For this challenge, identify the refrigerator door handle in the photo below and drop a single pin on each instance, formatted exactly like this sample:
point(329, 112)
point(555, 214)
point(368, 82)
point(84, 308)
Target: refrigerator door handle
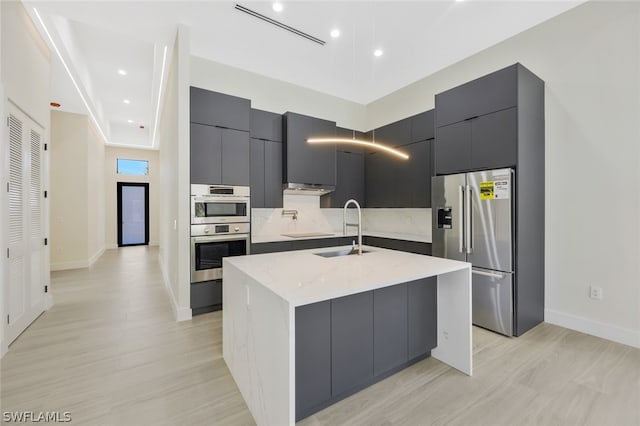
point(461, 219)
point(488, 274)
point(469, 221)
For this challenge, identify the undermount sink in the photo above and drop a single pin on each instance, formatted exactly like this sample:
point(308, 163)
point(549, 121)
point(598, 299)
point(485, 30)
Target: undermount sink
point(338, 253)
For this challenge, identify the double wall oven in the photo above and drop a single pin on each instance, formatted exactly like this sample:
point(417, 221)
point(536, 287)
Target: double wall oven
point(220, 226)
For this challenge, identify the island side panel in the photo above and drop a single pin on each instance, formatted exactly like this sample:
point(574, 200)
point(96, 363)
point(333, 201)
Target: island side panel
point(257, 345)
point(454, 320)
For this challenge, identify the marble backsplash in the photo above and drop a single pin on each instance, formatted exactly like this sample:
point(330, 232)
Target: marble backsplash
point(267, 223)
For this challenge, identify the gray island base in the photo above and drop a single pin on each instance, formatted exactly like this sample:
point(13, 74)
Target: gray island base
point(302, 331)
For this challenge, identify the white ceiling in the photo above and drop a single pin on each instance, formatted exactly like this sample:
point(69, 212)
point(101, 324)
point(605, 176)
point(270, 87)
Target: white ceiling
point(96, 38)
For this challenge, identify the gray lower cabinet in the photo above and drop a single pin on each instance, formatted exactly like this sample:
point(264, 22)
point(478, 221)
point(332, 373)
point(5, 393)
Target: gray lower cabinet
point(313, 357)
point(422, 317)
point(273, 247)
point(346, 344)
point(351, 342)
point(401, 245)
point(389, 328)
point(219, 156)
point(206, 296)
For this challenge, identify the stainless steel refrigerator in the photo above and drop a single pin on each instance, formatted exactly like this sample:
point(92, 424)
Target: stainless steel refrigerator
point(473, 215)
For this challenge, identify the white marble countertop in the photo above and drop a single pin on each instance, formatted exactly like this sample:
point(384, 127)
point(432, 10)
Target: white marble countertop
point(392, 235)
point(301, 277)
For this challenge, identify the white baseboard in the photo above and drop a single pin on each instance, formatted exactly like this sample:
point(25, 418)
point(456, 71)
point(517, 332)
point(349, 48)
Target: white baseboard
point(180, 313)
point(614, 333)
point(74, 264)
point(96, 256)
point(48, 301)
point(112, 246)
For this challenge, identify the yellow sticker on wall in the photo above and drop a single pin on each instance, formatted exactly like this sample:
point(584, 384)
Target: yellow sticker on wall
point(486, 191)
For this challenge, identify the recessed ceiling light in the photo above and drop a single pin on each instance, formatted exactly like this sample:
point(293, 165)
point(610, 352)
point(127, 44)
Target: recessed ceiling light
point(459, 0)
point(129, 121)
point(277, 6)
point(126, 101)
point(122, 72)
point(378, 52)
point(335, 33)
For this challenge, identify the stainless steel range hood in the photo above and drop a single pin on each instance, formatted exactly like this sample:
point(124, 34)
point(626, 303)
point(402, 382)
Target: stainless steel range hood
point(307, 189)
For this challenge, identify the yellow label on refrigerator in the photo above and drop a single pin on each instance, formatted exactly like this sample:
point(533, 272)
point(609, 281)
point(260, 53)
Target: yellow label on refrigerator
point(486, 191)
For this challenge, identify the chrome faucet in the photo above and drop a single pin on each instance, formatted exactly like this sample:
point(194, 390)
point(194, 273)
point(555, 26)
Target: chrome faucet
point(359, 224)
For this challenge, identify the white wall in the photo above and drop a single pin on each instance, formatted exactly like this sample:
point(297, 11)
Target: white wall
point(69, 190)
point(275, 95)
point(112, 153)
point(589, 58)
point(96, 193)
point(77, 191)
point(174, 227)
point(24, 80)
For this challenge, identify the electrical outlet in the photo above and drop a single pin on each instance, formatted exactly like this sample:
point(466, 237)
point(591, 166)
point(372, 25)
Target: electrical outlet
point(595, 292)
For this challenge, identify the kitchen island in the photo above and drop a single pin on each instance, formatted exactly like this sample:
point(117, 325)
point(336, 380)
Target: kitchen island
point(343, 305)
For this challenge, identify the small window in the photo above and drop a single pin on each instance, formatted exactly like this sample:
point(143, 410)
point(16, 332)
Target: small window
point(132, 167)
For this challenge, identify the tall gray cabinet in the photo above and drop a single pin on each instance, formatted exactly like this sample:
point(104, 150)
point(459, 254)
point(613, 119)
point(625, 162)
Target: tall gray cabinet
point(266, 159)
point(493, 122)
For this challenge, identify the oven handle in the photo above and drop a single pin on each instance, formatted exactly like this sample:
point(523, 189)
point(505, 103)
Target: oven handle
point(217, 199)
point(225, 237)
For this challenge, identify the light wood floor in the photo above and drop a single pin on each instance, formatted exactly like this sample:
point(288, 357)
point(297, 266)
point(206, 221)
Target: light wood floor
point(110, 352)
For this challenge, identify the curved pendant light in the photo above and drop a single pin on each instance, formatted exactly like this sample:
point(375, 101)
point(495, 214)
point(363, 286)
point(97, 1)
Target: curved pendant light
point(358, 142)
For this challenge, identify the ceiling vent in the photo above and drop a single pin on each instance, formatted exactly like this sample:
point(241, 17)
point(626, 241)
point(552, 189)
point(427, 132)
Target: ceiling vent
point(279, 24)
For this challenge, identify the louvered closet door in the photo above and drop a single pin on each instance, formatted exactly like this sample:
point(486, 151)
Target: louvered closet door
point(25, 263)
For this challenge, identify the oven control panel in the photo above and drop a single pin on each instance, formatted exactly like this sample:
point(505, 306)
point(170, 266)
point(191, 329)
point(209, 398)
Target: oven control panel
point(219, 229)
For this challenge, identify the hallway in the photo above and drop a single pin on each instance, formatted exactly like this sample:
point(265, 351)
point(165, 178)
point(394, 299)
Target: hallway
point(111, 353)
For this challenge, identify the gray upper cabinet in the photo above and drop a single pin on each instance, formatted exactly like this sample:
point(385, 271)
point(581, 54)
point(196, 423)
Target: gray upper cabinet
point(395, 134)
point(350, 176)
point(306, 163)
point(422, 126)
point(453, 148)
point(380, 170)
point(485, 142)
point(218, 109)
point(219, 156)
point(414, 177)
point(266, 125)
point(393, 182)
point(272, 174)
point(235, 157)
point(494, 140)
point(206, 154)
point(257, 173)
point(481, 96)
point(266, 174)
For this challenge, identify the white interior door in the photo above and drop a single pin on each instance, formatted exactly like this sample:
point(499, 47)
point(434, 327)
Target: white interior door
point(26, 249)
